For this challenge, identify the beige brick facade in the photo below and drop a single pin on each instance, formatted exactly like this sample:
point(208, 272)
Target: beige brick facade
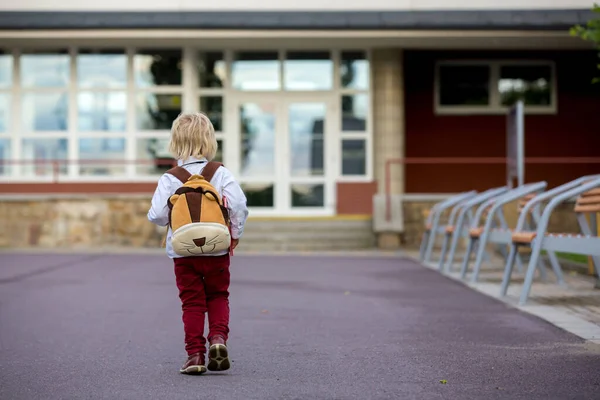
point(389, 126)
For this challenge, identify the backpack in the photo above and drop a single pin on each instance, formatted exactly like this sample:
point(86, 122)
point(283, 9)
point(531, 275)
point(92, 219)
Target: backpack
point(198, 217)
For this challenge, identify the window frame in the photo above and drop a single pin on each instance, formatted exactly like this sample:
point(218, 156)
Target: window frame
point(494, 107)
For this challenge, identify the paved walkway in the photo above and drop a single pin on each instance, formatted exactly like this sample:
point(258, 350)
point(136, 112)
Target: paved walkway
point(108, 327)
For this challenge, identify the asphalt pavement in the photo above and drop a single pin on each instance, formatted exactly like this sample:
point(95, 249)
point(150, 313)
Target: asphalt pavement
point(85, 326)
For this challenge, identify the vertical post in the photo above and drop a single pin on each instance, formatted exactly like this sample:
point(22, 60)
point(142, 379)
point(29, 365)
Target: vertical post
point(520, 143)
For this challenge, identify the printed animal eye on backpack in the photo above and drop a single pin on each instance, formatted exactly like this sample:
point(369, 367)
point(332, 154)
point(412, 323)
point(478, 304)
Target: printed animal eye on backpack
point(198, 217)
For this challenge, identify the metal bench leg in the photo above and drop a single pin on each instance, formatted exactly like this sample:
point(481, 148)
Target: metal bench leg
point(443, 252)
point(432, 237)
point(555, 264)
point(481, 250)
point(465, 264)
point(423, 245)
point(533, 262)
point(508, 268)
point(519, 262)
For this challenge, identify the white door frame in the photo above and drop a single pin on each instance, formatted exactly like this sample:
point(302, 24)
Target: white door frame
point(282, 178)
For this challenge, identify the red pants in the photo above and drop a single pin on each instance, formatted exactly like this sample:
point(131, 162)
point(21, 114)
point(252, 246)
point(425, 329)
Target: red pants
point(203, 284)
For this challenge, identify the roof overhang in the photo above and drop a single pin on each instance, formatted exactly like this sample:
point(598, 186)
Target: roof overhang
point(546, 20)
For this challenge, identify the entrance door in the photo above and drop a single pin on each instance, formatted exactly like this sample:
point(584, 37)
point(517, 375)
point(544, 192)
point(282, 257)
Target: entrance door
point(285, 154)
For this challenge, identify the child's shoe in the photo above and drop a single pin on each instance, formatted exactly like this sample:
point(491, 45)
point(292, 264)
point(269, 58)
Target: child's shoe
point(218, 358)
point(194, 365)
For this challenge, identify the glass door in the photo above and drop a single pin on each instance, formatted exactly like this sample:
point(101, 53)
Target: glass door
point(284, 149)
point(308, 185)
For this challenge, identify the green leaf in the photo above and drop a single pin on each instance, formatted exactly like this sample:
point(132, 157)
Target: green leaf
point(443, 381)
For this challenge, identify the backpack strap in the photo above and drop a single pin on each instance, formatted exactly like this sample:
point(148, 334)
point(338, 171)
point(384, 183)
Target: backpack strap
point(209, 171)
point(180, 173)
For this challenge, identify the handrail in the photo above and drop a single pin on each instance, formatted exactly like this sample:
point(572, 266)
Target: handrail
point(468, 161)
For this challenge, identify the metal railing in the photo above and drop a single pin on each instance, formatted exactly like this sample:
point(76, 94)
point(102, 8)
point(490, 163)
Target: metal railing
point(468, 161)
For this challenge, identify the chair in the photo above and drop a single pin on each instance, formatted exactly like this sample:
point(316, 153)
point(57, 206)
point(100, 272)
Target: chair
point(432, 225)
point(522, 234)
point(586, 243)
point(480, 235)
point(463, 214)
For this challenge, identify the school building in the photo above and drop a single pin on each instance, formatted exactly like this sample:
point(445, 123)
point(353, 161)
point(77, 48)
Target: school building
point(309, 101)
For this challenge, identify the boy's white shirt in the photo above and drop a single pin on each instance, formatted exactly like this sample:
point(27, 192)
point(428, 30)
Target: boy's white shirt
point(225, 183)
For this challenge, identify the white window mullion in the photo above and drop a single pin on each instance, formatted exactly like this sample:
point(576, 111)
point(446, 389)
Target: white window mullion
point(131, 123)
point(189, 81)
point(72, 123)
point(16, 117)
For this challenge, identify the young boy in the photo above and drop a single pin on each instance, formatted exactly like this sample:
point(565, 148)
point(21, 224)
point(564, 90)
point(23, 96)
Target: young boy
point(203, 281)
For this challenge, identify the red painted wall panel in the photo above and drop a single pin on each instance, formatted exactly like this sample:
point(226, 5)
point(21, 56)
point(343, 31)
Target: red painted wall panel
point(573, 132)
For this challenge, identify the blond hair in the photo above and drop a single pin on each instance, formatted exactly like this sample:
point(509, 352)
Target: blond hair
point(193, 135)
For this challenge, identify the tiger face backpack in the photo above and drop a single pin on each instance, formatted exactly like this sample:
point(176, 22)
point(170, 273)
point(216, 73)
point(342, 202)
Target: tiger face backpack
point(197, 216)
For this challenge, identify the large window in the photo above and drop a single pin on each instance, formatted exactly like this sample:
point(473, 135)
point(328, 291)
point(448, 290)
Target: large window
point(101, 113)
point(355, 123)
point(486, 87)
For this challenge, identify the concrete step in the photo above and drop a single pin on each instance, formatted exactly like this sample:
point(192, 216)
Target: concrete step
point(307, 235)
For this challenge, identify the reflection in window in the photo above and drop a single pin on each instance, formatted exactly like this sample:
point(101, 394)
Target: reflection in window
point(354, 155)
point(527, 82)
point(306, 128)
point(354, 70)
point(44, 149)
point(45, 111)
point(155, 156)
point(157, 67)
point(354, 112)
point(308, 195)
point(109, 153)
point(258, 139)
point(212, 70)
point(259, 194)
point(256, 71)
point(102, 111)
point(213, 107)
point(106, 69)
point(157, 111)
point(464, 85)
point(4, 112)
point(308, 71)
point(5, 157)
point(45, 69)
point(6, 69)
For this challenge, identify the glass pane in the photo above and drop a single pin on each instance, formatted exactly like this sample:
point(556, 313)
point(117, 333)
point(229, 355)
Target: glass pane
point(5, 157)
point(354, 112)
point(256, 71)
point(220, 150)
point(45, 69)
point(102, 69)
point(354, 70)
point(259, 194)
point(306, 128)
point(308, 195)
point(212, 70)
point(45, 111)
point(462, 85)
point(153, 155)
point(354, 157)
point(102, 111)
point(6, 70)
point(157, 67)
point(258, 139)
point(157, 111)
point(102, 156)
point(37, 150)
point(4, 112)
point(530, 83)
point(213, 107)
point(308, 71)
